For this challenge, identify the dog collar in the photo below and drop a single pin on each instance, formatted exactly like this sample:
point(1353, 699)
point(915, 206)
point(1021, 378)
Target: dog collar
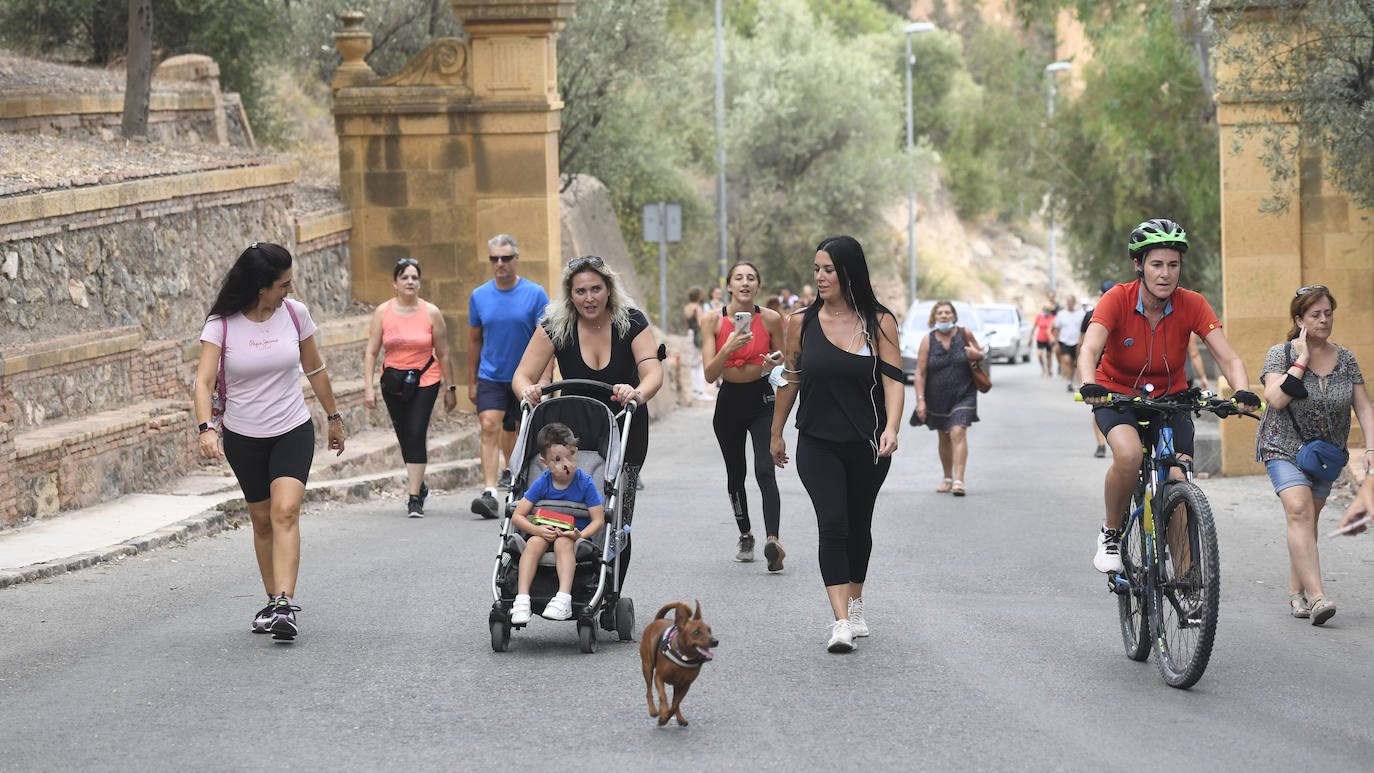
point(665, 645)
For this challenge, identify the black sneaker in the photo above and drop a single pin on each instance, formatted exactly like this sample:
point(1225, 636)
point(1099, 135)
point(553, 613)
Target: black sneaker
point(486, 506)
point(775, 554)
point(1100, 452)
point(745, 551)
point(284, 626)
point(415, 507)
point(262, 621)
point(505, 479)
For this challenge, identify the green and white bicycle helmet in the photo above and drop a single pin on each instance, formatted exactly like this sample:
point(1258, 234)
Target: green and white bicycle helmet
point(1156, 233)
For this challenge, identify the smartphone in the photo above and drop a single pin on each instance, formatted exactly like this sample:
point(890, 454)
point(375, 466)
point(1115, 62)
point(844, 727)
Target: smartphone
point(1351, 527)
point(742, 319)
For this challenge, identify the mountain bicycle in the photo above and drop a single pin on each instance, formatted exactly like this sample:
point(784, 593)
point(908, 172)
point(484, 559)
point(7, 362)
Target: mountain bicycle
point(1170, 583)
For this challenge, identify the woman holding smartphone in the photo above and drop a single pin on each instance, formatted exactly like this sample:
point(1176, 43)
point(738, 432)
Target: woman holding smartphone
point(739, 346)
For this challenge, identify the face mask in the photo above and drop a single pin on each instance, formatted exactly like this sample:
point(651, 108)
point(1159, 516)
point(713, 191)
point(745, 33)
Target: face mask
point(944, 327)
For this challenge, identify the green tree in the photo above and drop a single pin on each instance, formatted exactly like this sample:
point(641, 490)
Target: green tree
point(1314, 61)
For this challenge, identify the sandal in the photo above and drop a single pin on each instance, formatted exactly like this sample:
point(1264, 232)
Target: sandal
point(1323, 609)
point(1298, 605)
point(945, 486)
point(957, 489)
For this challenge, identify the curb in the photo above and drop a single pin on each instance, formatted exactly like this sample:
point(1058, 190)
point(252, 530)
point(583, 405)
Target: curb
point(234, 513)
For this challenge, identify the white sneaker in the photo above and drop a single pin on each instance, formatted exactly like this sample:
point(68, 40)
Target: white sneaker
point(520, 610)
point(856, 618)
point(841, 636)
point(558, 609)
point(1108, 558)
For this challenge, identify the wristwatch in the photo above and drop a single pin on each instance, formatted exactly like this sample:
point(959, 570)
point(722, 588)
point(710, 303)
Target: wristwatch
point(334, 416)
point(203, 428)
point(453, 387)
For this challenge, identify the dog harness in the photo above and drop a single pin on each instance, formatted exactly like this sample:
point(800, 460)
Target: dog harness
point(665, 646)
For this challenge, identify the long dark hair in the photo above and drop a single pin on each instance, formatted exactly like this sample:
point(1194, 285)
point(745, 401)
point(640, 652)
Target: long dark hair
point(259, 266)
point(852, 270)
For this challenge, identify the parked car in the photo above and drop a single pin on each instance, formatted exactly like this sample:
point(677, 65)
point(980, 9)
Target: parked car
point(1008, 332)
point(917, 327)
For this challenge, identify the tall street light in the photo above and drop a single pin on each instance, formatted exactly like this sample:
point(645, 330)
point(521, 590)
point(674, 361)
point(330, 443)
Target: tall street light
point(721, 240)
point(1050, 70)
point(910, 29)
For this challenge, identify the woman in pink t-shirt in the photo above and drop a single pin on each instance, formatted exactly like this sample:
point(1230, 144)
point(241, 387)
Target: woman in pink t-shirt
point(265, 341)
point(413, 333)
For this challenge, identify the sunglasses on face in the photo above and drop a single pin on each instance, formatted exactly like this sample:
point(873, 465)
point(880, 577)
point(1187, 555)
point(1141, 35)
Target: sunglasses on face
point(1312, 288)
point(502, 258)
point(590, 260)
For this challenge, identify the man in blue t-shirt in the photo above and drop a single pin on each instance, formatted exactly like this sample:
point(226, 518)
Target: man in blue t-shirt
point(502, 315)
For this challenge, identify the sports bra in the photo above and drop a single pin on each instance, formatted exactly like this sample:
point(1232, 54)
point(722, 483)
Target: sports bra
point(752, 352)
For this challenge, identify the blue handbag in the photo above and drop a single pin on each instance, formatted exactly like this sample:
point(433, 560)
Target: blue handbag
point(1318, 458)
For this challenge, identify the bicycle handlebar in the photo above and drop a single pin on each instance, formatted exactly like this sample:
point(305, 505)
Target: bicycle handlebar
point(1193, 400)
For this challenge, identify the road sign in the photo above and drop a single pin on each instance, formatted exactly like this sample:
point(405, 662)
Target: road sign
point(658, 215)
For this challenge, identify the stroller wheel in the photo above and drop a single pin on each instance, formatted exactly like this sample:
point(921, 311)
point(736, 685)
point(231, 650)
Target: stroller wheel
point(625, 619)
point(500, 636)
point(586, 636)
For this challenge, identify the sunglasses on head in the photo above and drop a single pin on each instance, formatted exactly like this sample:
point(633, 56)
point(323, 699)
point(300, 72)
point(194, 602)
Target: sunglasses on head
point(590, 260)
point(1312, 288)
point(502, 258)
point(407, 262)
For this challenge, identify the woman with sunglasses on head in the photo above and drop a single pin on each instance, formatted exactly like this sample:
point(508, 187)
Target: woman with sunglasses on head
point(743, 357)
point(415, 338)
point(842, 356)
point(1311, 384)
point(261, 341)
point(1137, 344)
point(594, 332)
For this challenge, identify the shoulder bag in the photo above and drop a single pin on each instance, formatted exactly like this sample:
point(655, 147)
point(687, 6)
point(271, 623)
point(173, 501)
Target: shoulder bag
point(1318, 458)
point(982, 380)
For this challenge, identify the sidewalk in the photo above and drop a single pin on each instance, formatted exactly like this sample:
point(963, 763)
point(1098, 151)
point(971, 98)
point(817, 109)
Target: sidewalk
point(207, 501)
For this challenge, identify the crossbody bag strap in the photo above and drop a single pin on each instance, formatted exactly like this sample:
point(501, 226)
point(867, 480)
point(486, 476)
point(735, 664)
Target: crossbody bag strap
point(1288, 409)
point(223, 343)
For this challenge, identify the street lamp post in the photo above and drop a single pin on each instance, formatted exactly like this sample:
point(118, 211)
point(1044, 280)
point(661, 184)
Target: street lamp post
point(1050, 70)
point(721, 238)
point(910, 29)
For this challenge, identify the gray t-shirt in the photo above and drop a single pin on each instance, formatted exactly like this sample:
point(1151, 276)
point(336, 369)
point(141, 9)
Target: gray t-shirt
point(1323, 415)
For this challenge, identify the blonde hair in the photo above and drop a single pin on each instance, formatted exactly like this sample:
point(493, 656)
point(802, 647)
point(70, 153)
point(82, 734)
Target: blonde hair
point(560, 316)
point(936, 308)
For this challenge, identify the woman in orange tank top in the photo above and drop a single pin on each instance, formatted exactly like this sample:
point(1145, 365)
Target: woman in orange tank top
point(413, 333)
point(742, 359)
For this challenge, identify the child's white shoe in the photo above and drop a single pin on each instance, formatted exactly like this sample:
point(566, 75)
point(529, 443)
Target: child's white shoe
point(560, 608)
point(520, 610)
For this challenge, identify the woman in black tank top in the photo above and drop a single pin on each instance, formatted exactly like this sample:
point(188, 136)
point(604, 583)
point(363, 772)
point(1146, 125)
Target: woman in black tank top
point(843, 358)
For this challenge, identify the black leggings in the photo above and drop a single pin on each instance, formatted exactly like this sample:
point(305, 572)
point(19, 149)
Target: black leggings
point(411, 420)
point(747, 409)
point(843, 483)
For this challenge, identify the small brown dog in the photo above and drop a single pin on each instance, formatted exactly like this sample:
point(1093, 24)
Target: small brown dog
point(673, 654)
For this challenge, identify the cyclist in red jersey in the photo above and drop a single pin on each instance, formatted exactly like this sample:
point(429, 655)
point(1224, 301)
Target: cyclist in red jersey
point(1141, 331)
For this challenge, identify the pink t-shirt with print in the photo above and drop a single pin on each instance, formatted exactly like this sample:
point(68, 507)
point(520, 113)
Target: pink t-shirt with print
point(262, 371)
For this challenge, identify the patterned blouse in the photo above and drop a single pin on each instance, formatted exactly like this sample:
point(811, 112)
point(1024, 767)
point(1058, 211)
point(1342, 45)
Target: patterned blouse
point(1323, 415)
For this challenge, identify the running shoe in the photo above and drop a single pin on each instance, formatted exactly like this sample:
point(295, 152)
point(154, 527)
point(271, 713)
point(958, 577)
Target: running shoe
point(415, 506)
point(505, 479)
point(857, 624)
point(486, 506)
point(262, 621)
point(745, 550)
point(1108, 558)
point(775, 554)
point(284, 626)
point(1100, 452)
point(841, 637)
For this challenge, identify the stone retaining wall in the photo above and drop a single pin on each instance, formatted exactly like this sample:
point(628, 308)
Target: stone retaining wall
point(173, 116)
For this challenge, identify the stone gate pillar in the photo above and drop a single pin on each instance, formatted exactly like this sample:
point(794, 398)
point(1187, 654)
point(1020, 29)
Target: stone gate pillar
point(460, 145)
point(1321, 239)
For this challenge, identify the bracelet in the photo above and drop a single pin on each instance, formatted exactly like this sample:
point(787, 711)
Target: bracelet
point(334, 417)
point(453, 387)
point(1299, 366)
point(316, 370)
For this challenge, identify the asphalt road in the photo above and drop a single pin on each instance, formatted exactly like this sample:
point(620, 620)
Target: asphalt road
point(995, 645)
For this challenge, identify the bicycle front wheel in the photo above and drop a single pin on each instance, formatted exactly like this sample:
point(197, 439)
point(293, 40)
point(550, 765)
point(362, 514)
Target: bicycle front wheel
point(1187, 591)
point(1132, 597)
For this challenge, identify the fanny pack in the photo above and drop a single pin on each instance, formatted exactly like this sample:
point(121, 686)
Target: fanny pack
point(1318, 458)
point(403, 383)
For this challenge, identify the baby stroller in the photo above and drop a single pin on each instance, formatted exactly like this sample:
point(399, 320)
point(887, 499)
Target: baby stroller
point(598, 575)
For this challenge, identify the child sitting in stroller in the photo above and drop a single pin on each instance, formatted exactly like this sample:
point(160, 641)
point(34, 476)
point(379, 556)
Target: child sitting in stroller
point(561, 481)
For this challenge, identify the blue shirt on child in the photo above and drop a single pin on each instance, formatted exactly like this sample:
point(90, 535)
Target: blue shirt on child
point(580, 489)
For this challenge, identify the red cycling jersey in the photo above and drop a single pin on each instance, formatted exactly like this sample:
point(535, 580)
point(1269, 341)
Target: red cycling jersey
point(1136, 354)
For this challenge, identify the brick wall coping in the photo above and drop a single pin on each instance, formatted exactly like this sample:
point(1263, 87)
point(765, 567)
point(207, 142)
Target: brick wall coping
point(53, 436)
point(36, 104)
point(327, 222)
point(52, 204)
point(69, 349)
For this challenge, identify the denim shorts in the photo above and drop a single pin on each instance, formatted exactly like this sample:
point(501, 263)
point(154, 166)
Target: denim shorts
point(1284, 474)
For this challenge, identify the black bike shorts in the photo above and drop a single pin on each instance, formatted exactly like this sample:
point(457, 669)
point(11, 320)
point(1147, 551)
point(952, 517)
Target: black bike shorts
point(1182, 424)
point(257, 461)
